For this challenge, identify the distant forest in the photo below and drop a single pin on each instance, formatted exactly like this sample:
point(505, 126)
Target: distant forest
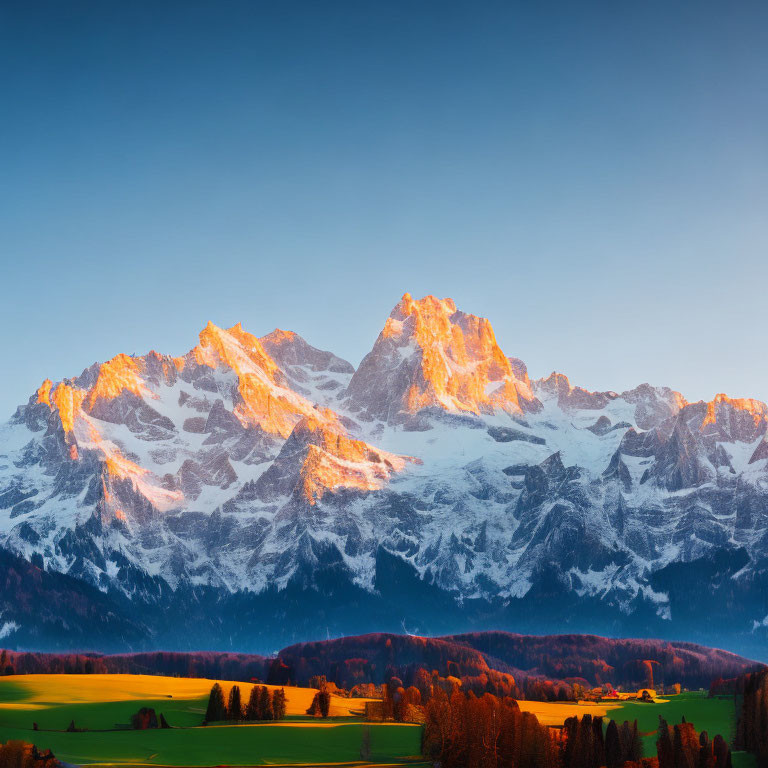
point(523, 666)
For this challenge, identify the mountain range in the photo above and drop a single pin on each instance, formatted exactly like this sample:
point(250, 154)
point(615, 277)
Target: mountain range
point(259, 491)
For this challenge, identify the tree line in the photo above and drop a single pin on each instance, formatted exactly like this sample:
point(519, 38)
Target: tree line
point(682, 747)
point(214, 665)
point(621, 661)
point(500, 663)
point(262, 704)
point(464, 730)
point(588, 744)
point(752, 727)
point(505, 664)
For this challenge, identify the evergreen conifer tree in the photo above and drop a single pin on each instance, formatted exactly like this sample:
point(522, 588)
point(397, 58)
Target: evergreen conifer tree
point(235, 707)
point(613, 750)
point(278, 704)
point(216, 707)
point(265, 704)
point(252, 708)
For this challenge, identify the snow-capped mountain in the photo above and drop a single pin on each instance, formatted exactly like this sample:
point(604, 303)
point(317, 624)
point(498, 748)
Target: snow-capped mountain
point(438, 482)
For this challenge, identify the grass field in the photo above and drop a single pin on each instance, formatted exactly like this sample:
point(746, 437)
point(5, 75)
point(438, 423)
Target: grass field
point(102, 702)
point(555, 712)
point(230, 745)
point(715, 715)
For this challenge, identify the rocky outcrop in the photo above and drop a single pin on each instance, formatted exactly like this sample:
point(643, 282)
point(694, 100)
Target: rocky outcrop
point(317, 459)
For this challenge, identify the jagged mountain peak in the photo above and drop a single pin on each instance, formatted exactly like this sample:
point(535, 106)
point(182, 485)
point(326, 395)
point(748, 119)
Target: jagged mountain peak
point(224, 467)
point(43, 393)
point(101, 382)
point(755, 409)
point(426, 305)
point(729, 419)
point(263, 396)
point(280, 338)
point(569, 396)
point(121, 373)
point(654, 405)
point(142, 435)
point(235, 348)
point(290, 350)
point(431, 355)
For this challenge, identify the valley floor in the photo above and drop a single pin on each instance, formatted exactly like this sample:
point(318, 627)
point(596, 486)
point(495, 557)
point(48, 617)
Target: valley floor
point(103, 705)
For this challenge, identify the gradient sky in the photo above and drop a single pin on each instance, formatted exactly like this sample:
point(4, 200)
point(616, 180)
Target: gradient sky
point(591, 176)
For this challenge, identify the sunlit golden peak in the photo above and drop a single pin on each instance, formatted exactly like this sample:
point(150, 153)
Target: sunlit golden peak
point(556, 378)
point(335, 460)
point(67, 401)
point(265, 398)
point(117, 375)
point(245, 338)
point(279, 336)
point(44, 392)
point(757, 409)
point(224, 345)
point(427, 304)
point(455, 360)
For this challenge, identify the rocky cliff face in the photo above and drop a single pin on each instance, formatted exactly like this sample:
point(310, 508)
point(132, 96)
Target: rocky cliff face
point(250, 467)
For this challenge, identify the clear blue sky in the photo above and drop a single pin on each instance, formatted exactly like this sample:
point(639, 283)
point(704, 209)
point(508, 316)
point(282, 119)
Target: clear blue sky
point(591, 176)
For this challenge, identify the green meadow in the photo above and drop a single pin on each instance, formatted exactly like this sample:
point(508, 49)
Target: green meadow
point(93, 715)
point(231, 745)
point(715, 715)
point(102, 704)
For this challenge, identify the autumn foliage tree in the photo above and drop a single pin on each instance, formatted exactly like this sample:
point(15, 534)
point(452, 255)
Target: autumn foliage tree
point(462, 729)
point(682, 747)
point(18, 754)
point(484, 732)
point(324, 702)
point(144, 719)
point(321, 704)
point(588, 744)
